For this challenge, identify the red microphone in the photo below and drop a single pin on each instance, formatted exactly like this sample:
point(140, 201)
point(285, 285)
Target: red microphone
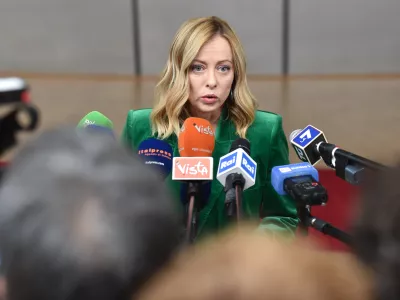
point(196, 138)
point(196, 143)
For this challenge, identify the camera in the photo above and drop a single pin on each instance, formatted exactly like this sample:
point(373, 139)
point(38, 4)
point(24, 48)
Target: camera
point(24, 116)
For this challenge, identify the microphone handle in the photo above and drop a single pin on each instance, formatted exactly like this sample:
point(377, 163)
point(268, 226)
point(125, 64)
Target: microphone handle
point(230, 204)
point(330, 230)
point(303, 212)
point(239, 193)
point(234, 182)
point(191, 221)
point(329, 151)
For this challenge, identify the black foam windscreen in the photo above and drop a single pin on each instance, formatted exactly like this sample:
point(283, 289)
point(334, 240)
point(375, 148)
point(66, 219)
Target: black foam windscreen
point(241, 143)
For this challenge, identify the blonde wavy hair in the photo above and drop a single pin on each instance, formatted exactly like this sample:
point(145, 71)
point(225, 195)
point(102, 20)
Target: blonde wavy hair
point(172, 91)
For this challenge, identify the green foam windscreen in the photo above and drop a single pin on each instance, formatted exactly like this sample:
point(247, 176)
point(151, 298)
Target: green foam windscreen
point(97, 119)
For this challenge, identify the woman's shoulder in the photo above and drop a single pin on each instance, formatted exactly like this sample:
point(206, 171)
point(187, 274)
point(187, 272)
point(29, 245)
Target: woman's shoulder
point(263, 116)
point(265, 123)
point(139, 118)
point(137, 125)
point(139, 115)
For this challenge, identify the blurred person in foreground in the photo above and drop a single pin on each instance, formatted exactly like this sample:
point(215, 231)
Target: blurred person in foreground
point(250, 266)
point(82, 218)
point(205, 77)
point(376, 231)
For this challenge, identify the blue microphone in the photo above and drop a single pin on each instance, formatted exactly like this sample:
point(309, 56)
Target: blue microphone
point(300, 181)
point(280, 173)
point(101, 129)
point(158, 154)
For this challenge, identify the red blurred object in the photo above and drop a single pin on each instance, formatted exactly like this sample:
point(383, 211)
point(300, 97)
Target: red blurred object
point(26, 97)
point(339, 210)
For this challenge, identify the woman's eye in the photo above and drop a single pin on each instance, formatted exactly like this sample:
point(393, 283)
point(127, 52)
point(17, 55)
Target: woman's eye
point(197, 68)
point(224, 68)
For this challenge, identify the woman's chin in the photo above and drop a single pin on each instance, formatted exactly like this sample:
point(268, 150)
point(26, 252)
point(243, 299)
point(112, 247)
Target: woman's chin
point(208, 107)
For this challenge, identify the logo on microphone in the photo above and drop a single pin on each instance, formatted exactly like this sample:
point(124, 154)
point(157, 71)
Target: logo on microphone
point(192, 168)
point(228, 163)
point(294, 167)
point(204, 130)
point(306, 136)
point(248, 165)
point(88, 122)
point(155, 152)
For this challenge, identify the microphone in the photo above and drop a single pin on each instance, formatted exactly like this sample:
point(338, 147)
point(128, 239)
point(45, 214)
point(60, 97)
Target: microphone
point(236, 170)
point(95, 118)
point(300, 181)
point(158, 154)
point(196, 143)
point(305, 141)
point(238, 161)
point(311, 145)
point(14, 89)
point(97, 122)
point(196, 138)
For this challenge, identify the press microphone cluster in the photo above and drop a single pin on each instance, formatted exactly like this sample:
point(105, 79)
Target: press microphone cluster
point(311, 146)
point(194, 167)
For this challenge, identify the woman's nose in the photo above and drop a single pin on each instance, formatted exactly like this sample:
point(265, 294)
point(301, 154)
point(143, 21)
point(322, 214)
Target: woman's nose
point(211, 80)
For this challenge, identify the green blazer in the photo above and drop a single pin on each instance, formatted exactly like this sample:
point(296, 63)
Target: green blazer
point(269, 148)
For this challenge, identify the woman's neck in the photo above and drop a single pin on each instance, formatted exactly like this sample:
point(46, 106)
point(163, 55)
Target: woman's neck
point(212, 117)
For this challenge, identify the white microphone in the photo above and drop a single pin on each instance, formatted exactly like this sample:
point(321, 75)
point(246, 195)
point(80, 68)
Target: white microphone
point(236, 172)
point(238, 162)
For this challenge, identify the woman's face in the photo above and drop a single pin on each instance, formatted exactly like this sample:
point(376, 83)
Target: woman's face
point(211, 76)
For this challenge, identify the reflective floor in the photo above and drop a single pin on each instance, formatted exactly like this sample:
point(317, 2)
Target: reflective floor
point(362, 114)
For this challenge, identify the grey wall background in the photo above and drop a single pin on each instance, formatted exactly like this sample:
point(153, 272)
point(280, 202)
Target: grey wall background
point(72, 36)
point(345, 36)
point(96, 36)
point(258, 26)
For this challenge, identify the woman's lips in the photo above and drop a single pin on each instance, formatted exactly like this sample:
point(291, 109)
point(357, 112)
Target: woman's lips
point(209, 100)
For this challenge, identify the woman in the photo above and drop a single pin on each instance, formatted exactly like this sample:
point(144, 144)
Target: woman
point(205, 77)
